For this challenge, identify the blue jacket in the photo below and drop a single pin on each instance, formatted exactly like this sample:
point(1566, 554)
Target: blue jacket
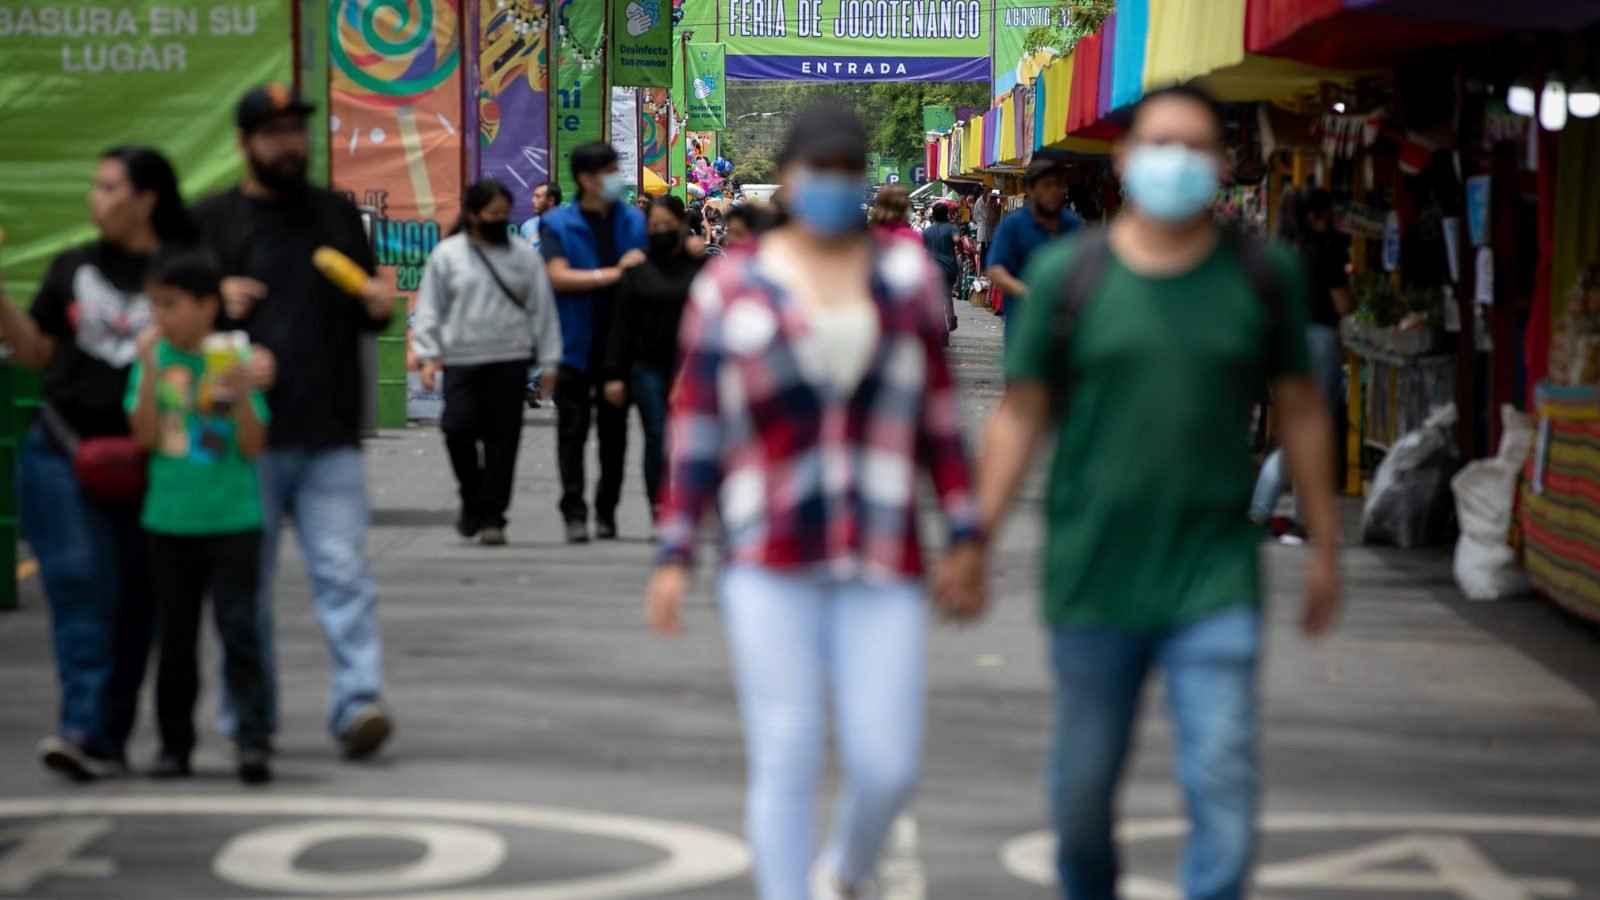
point(578, 245)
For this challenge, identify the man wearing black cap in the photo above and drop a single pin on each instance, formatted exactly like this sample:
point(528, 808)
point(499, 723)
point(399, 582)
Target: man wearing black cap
point(264, 233)
point(1018, 236)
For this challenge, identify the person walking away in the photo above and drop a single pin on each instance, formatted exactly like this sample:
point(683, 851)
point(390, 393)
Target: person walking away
point(81, 332)
point(191, 407)
point(985, 216)
point(642, 348)
point(1306, 224)
point(940, 239)
point(587, 245)
point(891, 212)
point(813, 387)
point(484, 313)
point(1020, 236)
point(264, 233)
point(1149, 339)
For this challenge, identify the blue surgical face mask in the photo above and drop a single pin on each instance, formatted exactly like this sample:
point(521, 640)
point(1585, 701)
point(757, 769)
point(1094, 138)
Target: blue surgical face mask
point(828, 203)
point(612, 187)
point(1170, 183)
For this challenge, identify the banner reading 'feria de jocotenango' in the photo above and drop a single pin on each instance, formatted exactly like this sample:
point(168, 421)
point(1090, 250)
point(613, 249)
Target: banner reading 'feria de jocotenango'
point(857, 40)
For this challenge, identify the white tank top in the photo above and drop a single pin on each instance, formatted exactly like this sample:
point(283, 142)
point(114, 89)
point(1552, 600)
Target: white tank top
point(845, 337)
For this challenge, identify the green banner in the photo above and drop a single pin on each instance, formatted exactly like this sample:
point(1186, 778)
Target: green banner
point(1013, 19)
point(707, 104)
point(79, 78)
point(938, 118)
point(578, 111)
point(641, 43)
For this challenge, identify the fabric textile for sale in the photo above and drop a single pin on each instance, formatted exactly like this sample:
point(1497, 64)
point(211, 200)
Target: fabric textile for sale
point(1561, 514)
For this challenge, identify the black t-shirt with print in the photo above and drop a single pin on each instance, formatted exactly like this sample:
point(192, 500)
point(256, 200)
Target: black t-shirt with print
point(92, 302)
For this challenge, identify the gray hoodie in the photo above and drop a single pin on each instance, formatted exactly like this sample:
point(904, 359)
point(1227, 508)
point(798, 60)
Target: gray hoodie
point(465, 318)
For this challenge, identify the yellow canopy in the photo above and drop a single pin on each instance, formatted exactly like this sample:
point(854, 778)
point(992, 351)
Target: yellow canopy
point(653, 183)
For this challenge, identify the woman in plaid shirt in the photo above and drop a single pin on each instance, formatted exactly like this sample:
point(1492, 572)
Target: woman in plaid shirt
point(813, 388)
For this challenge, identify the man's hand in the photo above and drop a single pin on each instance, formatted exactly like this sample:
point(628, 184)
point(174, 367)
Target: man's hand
point(430, 374)
point(260, 369)
point(1322, 594)
point(239, 296)
point(631, 258)
point(547, 384)
point(959, 587)
point(664, 599)
point(377, 299)
point(616, 393)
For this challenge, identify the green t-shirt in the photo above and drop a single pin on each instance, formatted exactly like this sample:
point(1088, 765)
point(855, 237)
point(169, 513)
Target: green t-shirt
point(199, 482)
point(1148, 505)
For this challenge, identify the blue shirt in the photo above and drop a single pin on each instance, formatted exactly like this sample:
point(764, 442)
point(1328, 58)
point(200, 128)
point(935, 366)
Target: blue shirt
point(530, 232)
point(1019, 236)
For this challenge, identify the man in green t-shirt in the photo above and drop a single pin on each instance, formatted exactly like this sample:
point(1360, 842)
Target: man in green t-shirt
point(190, 405)
point(1151, 558)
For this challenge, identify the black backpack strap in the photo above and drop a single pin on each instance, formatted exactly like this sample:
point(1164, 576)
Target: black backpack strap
point(1255, 259)
point(1089, 261)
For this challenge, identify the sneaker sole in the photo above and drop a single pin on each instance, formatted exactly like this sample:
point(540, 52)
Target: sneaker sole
point(64, 763)
point(367, 736)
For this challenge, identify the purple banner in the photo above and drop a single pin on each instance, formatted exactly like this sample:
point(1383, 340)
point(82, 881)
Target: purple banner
point(856, 68)
point(511, 112)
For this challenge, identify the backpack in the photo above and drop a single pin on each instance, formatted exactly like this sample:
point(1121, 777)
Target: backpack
point(1088, 269)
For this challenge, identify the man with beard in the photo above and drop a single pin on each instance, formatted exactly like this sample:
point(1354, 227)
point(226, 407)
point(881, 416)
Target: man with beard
point(1019, 235)
point(264, 233)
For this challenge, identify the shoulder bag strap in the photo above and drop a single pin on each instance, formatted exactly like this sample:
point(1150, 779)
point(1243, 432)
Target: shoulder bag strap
point(514, 298)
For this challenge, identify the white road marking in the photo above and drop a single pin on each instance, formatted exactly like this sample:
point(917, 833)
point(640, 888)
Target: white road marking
point(50, 849)
point(264, 858)
point(695, 856)
point(900, 875)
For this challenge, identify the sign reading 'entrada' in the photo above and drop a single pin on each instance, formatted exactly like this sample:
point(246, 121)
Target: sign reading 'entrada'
point(843, 40)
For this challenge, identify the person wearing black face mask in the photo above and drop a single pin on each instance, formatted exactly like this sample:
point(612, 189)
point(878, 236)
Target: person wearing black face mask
point(643, 345)
point(484, 311)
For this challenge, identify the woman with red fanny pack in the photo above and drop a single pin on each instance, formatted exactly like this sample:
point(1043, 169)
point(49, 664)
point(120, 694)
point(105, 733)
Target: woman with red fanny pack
point(81, 478)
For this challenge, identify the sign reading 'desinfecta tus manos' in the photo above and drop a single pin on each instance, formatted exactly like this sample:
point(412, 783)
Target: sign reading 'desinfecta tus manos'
point(78, 77)
point(857, 40)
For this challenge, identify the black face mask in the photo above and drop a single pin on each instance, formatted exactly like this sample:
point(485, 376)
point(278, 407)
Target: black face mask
point(665, 243)
point(495, 231)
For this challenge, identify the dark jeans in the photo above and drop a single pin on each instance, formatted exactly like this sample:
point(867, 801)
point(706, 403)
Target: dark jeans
point(649, 390)
point(92, 562)
point(576, 403)
point(482, 427)
point(183, 571)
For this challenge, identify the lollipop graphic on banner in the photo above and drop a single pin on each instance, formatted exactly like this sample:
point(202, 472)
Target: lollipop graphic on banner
point(391, 54)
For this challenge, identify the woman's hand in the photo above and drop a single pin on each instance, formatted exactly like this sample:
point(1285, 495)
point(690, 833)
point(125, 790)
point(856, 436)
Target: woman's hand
point(616, 393)
point(664, 599)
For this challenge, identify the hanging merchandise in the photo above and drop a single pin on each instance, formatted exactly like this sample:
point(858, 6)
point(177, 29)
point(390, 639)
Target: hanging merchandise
point(1483, 291)
point(1391, 242)
point(1478, 209)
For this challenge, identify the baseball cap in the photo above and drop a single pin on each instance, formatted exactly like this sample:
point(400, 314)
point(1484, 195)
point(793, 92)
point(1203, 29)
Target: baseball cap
point(1040, 167)
point(824, 132)
point(269, 101)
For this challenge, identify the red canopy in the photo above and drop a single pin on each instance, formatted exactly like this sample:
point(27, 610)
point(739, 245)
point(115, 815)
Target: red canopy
point(1083, 110)
point(1327, 33)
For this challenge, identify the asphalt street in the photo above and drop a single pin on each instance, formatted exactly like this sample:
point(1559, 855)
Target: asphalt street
point(549, 746)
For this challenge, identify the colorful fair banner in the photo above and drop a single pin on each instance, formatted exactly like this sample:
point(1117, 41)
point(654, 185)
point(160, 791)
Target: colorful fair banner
point(164, 73)
point(655, 138)
point(640, 41)
point(705, 84)
point(625, 133)
point(1013, 19)
point(511, 45)
point(857, 40)
point(396, 102)
point(579, 107)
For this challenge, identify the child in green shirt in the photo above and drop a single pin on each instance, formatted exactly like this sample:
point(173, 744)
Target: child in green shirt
point(191, 407)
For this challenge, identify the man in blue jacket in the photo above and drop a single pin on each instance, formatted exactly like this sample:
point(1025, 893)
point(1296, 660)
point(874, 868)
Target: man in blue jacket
point(587, 244)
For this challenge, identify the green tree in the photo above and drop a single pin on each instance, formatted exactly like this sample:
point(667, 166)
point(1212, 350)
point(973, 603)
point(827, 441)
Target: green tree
point(1086, 18)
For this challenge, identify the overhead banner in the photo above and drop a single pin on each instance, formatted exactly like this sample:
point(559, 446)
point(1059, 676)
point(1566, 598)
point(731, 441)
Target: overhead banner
point(857, 40)
point(512, 108)
point(395, 86)
point(707, 104)
point(1013, 19)
point(655, 138)
point(168, 79)
point(640, 41)
point(580, 99)
point(625, 133)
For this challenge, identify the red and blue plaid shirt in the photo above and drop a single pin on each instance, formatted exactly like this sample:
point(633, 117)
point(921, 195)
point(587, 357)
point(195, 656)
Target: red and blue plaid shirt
point(809, 478)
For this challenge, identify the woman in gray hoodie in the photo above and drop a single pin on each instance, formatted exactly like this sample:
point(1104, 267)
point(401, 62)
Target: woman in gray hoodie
point(484, 314)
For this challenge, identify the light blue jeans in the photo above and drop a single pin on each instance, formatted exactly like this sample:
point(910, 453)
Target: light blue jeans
point(1327, 357)
point(325, 492)
point(1210, 667)
point(800, 643)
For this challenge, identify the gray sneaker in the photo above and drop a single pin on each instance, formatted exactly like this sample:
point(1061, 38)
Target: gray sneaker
point(577, 533)
point(369, 728)
point(70, 759)
point(493, 537)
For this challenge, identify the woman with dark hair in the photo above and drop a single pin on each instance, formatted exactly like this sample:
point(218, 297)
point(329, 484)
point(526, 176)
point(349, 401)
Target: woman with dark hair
point(812, 391)
point(81, 478)
point(484, 314)
point(643, 346)
point(891, 212)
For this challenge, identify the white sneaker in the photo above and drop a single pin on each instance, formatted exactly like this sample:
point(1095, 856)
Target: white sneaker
point(825, 886)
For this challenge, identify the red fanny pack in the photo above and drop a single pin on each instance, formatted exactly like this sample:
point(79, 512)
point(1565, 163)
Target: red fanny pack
point(109, 469)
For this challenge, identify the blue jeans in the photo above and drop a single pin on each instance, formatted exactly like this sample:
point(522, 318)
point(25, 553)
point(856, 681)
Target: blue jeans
point(793, 639)
point(97, 582)
point(1210, 666)
point(325, 492)
point(649, 389)
point(1326, 367)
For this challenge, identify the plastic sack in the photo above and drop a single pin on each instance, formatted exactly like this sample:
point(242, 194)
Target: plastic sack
point(1485, 490)
point(1410, 504)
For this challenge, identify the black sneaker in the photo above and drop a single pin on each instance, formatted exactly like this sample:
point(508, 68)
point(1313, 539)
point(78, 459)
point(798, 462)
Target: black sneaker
point(69, 758)
point(367, 731)
point(532, 396)
point(253, 767)
point(466, 527)
point(169, 766)
point(605, 530)
point(577, 533)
